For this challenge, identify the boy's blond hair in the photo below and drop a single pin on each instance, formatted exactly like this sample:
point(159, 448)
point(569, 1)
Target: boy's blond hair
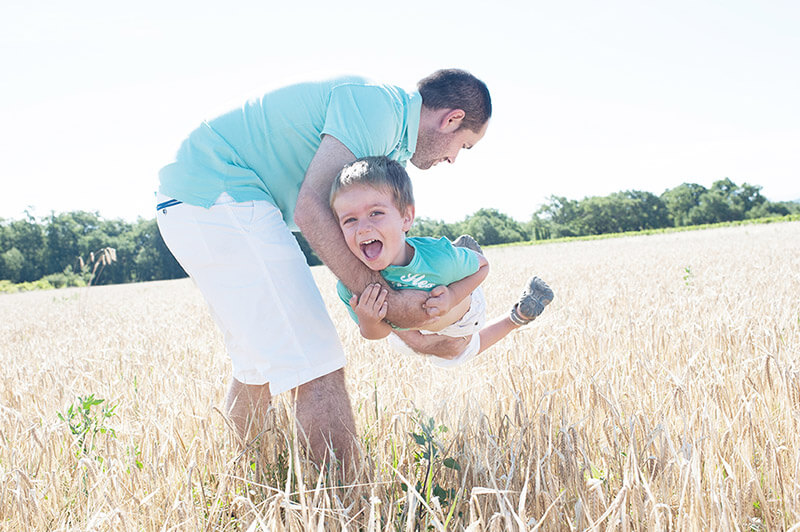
point(376, 172)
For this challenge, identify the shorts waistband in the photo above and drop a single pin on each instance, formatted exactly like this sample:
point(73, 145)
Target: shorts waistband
point(169, 203)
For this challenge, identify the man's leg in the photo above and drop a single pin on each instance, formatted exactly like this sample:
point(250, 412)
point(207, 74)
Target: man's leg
point(325, 419)
point(247, 406)
point(263, 297)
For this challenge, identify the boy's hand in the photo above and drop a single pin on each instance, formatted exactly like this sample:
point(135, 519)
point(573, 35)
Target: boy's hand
point(371, 310)
point(371, 306)
point(440, 302)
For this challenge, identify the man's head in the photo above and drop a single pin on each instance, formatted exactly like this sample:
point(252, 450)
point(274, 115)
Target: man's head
point(456, 108)
point(373, 201)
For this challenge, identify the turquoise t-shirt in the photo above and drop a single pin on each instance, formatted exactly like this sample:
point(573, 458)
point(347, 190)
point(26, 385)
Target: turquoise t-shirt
point(436, 262)
point(261, 150)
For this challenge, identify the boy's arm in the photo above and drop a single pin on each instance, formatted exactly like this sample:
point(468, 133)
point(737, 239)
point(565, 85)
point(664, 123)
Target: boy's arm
point(443, 298)
point(314, 218)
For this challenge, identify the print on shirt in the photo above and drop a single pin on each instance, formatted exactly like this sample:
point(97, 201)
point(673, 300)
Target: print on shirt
point(414, 279)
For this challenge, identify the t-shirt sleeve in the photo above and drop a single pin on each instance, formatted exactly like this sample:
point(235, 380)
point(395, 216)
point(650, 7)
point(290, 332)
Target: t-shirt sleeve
point(365, 118)
point(462, 262)
point(345, 294)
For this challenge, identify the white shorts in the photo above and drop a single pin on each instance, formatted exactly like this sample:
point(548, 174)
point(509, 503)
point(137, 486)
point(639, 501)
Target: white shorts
point(249, 267)
point(470, 324)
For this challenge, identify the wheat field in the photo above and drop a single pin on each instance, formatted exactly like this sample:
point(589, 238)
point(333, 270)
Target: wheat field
point(659, 391)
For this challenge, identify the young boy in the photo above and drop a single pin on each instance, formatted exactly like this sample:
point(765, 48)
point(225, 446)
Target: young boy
point(373, 201)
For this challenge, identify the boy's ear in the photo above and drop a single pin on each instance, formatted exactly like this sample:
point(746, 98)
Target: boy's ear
point(408, 218)
point(451, 120)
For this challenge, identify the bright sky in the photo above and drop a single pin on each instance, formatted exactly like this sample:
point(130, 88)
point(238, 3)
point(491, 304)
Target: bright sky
point(589, 97)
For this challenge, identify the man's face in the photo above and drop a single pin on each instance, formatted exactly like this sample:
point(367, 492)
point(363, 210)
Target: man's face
point(434, 147)
point(373, 228)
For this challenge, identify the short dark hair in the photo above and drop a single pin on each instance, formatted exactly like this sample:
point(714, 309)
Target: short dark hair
point(452, 88)
point(376, 172)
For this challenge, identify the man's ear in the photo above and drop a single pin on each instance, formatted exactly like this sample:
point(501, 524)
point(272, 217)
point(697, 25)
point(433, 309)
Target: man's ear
point(451, 120)
point(408, 218)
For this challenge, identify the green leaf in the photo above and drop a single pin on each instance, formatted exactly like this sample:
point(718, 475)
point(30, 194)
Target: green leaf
point(440, 492)
point(451, 463)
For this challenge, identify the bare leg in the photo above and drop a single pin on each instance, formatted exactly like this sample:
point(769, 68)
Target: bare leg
point(496, 331)
point(247, 406)
point(325, 418)
point(449, 347)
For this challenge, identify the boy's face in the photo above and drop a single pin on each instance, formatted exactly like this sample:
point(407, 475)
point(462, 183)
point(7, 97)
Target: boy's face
point(373, 227)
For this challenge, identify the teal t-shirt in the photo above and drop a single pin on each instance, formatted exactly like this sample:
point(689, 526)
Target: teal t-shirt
point(261, 150)
point(436, 262)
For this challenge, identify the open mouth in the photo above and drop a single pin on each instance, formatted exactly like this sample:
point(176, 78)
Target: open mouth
point(371, 248)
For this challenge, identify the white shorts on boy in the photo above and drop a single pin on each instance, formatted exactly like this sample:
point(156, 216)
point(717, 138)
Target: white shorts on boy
point(254, 277)
point(470, 324)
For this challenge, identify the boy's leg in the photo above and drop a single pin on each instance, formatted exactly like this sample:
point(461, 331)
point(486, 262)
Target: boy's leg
point(496, 331)
point(535, 297)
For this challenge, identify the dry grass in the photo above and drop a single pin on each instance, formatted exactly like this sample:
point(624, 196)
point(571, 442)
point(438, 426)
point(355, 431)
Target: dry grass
point(660, 391)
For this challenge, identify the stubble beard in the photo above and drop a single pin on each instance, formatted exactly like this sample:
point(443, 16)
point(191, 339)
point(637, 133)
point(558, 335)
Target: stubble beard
point(430, 146)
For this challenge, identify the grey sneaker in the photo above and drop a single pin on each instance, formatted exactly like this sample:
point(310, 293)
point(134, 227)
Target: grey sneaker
point(531, 303)
point(466, 241)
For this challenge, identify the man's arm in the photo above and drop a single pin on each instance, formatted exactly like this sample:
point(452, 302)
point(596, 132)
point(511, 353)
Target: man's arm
point(316, 221)
point(434, 344)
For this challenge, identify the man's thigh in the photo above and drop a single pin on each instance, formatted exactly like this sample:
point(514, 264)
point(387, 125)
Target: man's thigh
point(254, 277)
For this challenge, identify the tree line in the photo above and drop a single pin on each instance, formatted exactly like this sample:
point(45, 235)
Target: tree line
point(78, 248)
point(631, 210)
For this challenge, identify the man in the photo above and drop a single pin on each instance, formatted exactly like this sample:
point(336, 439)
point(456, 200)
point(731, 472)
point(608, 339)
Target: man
point(242, 182)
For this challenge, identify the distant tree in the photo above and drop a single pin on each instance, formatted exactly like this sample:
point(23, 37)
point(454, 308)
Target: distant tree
point(780, 208)
point(11, 264)
point(490, 226)
point(538, 228)
point(680, 200)
point(151, 259)
point(602, 214)
point(728, 192)
point(650, 210)
point(66, 238)
point(749, 197)
point(712, 208)
point(561, 215)
point(28, 237)
point(433, 228)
